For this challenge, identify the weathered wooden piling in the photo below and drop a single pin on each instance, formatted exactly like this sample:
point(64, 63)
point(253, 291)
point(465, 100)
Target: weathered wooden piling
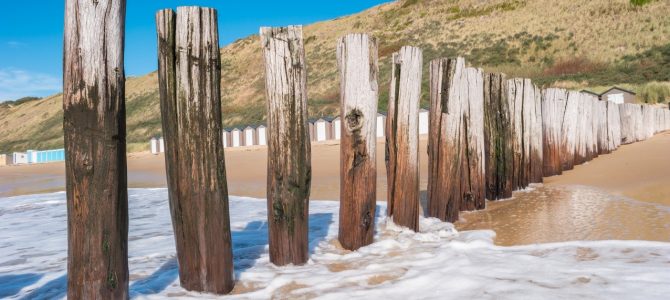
point(600, 113)
point(569, 130)
point(536, 136)
point(613, 126)
point(445, 139)
point(95, 146)
point(497, 137)
point(359, 94)
point(631, 115)
point(525, 105)
point(189, 84)
point(289, 154)
point(583, 125)
point(402, 140)
point(473, 186)
point(553, 108)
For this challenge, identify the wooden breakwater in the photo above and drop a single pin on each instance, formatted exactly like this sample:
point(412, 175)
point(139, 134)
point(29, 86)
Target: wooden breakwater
point(489, 135)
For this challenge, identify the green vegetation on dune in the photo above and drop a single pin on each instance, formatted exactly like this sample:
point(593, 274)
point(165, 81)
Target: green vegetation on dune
point(564, 43)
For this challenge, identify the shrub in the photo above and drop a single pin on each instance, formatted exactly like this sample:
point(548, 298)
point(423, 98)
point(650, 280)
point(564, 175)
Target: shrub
point(640, 2)
point(655, 92)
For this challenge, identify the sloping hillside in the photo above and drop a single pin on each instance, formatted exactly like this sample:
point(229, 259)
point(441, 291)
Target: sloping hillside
point(568, 43)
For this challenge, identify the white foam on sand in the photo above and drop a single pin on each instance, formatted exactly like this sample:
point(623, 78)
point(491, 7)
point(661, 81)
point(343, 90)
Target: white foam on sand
point(436, 263)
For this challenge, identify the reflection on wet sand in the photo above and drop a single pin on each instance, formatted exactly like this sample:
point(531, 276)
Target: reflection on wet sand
point(545, 214)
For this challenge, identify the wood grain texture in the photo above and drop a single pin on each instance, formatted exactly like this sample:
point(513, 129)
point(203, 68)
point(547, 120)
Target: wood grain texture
point(613, 126)
point(189, 83)
point(536, 134)
point(473, 184)
point(289, 156)
point(631, 121)
point(359, 94)
point(497, 137)
point(569, 131)
point(526, 132)
point(553, 108)
point(402, 141)
point(445, 139)
point(95, 147)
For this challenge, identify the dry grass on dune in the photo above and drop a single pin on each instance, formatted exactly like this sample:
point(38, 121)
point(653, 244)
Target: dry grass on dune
point(575, 43)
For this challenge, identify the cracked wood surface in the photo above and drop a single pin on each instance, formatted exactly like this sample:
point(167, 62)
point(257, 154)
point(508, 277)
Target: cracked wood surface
point(95, 147)
point(402, 140)
point(359, 94)
point(289, 158)
point(189, 83)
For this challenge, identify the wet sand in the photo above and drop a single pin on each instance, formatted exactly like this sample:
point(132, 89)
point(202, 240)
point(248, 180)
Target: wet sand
point(246, 170)
point(624, 195)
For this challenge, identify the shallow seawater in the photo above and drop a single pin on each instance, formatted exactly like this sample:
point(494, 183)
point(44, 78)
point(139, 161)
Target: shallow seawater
point(545, 214)
point(436, 263)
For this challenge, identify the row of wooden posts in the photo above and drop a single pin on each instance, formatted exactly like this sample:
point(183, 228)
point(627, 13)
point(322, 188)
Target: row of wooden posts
point(488, 136)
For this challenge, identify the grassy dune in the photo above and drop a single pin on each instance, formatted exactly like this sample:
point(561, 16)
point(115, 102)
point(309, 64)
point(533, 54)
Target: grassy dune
point(575, 44)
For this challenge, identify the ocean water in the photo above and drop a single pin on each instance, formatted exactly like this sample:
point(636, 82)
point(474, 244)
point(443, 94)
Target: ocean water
point(439, 262)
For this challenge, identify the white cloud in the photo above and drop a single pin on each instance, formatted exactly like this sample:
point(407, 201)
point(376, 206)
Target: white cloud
point(16, 83)
point(15, 44)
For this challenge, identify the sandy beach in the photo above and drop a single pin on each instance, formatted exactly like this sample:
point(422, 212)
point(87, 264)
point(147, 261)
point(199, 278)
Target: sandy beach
point(624, 195)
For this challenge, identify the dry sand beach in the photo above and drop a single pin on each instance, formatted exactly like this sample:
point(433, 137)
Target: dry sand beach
point(622, 195)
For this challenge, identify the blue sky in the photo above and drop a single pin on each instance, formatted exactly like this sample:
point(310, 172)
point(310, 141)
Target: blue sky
point(31, 34)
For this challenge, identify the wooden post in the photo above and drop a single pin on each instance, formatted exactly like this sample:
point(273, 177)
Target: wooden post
point(359, 94)
point(473, 186)
point(289, 163)
point(553, 108)
point(521, 92)
point(445, 139)
point(603, 142)
point(569, 131)
point(402, 141)
point(536, 159)
point(189, 84)
point(95, 146)
point(497, 136)
point(613, 126)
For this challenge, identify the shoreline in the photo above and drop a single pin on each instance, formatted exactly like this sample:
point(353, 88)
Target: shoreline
point(638, 171)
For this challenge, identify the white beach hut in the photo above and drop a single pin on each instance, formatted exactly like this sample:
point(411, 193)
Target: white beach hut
point(381, 125)
point(337, 128)
point(3, 160)
point(236, 136)
point(249, 136)
point(423, 121)
point(261, 134)
point(153, 143)
point(19, 158)
point(161, 145)
point(322, 128)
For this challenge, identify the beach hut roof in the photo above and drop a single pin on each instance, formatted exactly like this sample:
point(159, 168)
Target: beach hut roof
point(618, 88)
point(590, 92)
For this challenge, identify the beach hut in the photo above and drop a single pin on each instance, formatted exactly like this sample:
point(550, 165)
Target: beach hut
point(161, 145)
point(381, 125)
point(236, 135)
point(337, 128)
point(3, 160)
point(153, 143)
point(423, 121)
point(618, 95)
point(47, 156)
point(250, 136)
point(31, 156)
point(261, 134)
point(312, 136)
point(19, 158)
point(226, 138)
point(323, 129)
